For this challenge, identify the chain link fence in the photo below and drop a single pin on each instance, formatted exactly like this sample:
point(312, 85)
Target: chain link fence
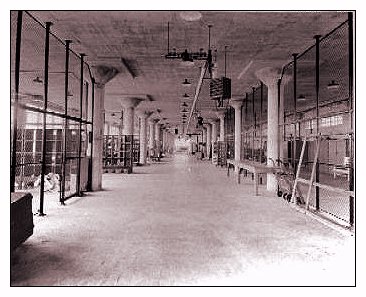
point(318, 118)
point(51, 114)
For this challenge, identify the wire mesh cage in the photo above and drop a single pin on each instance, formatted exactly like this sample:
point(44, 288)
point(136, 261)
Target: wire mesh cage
point(254, 125)
point(229, 132)
point(32, 64)
point(56, 75)
point(74, 88)
point(318, 128)
point(50, 138)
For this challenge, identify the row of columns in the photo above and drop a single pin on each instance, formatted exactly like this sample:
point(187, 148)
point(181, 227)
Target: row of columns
point(129, 105)
point(214, 130)
point(268, 76)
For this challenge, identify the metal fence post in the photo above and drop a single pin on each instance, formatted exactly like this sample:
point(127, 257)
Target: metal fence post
point(92, 136)
point(294, 149)
point(351, 109)
point(43, 165)
point(78, 191)
point(317, 82)
point(64, 160)
point(261, 127)
point(253, 124)
point(16, 99)
point(280, 126)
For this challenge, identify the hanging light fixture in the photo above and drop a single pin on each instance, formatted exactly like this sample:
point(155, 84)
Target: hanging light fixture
point(185, 104)
point(301, 97)
point(186, 82)
point(186, 95)
point(184, 110)
point(38, 80)
point(333, 85)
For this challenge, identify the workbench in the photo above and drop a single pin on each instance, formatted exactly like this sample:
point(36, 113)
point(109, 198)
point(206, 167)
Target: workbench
point(254, 167)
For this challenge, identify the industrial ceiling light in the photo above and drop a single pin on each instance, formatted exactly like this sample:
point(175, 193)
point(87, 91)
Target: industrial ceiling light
point(186, 95)
point(184, 110)
point(186, 57)
point(186, 82)
point(38, 80)
point(301, 98)
point(185, 104)
point(333, 85)
point(190, 16)
point(187, 60)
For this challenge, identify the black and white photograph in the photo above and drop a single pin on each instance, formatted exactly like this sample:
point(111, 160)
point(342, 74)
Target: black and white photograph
point(181, 147)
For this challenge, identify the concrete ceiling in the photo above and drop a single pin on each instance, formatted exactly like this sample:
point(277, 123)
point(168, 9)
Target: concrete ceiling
point(138, 39)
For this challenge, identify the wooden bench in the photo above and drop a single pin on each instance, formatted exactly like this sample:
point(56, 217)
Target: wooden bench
point(254, 167)
point(21, 218)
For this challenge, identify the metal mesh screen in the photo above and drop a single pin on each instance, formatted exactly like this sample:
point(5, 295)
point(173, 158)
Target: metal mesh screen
point(322, 107)
point(229, 132)
point(49, 126)
point(56, 76)
point(73, 107)
point(72, 155)
point(31, 73)
point(13, 35)
point(254, 125)
point(29, 154)
point(288, 126)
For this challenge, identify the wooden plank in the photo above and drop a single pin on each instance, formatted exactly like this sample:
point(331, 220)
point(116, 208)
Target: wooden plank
point(298, 170)
point(312, 173)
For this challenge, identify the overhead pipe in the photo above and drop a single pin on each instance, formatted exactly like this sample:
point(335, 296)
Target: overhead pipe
point(198, 89)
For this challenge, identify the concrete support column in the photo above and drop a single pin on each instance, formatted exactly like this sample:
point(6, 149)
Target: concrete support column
point(157, 138)
point(102, 75)
point(213, 123)
point(98, 132)
point(208, 139)
point(151, 133)
point(214, 130)
point(204, 139)
point(236, 104)
point(164, 135)
point(221, 115)
point(143, 115)
point(129, 104)
point(270, 77)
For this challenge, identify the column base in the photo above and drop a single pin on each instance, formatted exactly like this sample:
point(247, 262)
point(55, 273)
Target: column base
point(271, 183)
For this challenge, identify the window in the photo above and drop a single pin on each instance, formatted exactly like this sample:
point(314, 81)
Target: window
point(331, 121)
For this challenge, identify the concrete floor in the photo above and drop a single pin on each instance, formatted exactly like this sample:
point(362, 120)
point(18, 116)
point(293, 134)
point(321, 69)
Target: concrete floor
point(181, 222)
